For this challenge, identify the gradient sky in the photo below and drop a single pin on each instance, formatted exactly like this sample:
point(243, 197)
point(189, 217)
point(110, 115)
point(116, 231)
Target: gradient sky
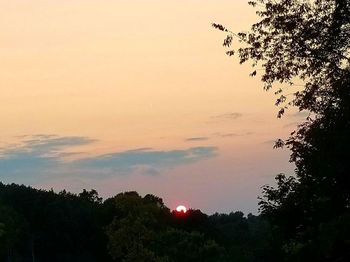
point(135, 95)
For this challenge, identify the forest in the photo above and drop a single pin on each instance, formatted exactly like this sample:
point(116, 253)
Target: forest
point(305, 216)
point(38, 225)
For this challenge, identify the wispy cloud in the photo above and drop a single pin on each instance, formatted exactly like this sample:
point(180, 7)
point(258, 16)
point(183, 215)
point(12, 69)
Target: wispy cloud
point(227, 135)
point(228, 116)
point(194, 139)
point(126, 161)
point(43, 148)
point(37, 155)
point(40, 156)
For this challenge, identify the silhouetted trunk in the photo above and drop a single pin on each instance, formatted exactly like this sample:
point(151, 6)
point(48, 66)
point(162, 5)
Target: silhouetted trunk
point(9, 255)
point(32, 249)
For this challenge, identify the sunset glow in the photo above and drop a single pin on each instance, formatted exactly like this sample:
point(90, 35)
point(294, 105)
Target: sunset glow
point(181, 209)
point(158, 130)
point(135, 95)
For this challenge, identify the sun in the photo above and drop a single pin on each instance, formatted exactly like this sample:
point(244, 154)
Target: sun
point(181, 209)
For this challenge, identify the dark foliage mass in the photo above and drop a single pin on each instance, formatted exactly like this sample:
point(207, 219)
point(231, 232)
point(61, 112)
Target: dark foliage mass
point(307, 41)
point(37, 225)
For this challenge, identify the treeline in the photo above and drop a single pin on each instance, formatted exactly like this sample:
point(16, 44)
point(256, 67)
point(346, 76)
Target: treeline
point(38, 225)
point(305, 217)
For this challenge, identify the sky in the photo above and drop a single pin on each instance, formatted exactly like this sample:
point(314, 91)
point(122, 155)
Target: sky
point(121, 95)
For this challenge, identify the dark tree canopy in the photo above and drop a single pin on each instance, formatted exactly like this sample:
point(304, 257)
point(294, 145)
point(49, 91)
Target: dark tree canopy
point(38, 225)
point(304, 48)
point(307, 40)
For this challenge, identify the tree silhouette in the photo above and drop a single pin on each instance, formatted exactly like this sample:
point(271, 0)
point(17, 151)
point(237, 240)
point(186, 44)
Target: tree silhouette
point(38, 225)
point(307, 41)
point(135, 227)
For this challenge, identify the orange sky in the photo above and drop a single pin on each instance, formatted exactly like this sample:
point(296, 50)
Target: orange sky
point(137, 74)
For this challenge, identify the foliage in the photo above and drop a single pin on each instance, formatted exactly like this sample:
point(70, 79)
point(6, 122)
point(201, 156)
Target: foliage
point(38, 225)
point(10, 229)
point(52, 227)
point(179, 245)
point(307, 41)
point(132, 232)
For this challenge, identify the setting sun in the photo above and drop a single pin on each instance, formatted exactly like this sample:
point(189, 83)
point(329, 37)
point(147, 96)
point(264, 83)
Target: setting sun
point(147, 130)
point(181, 209)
